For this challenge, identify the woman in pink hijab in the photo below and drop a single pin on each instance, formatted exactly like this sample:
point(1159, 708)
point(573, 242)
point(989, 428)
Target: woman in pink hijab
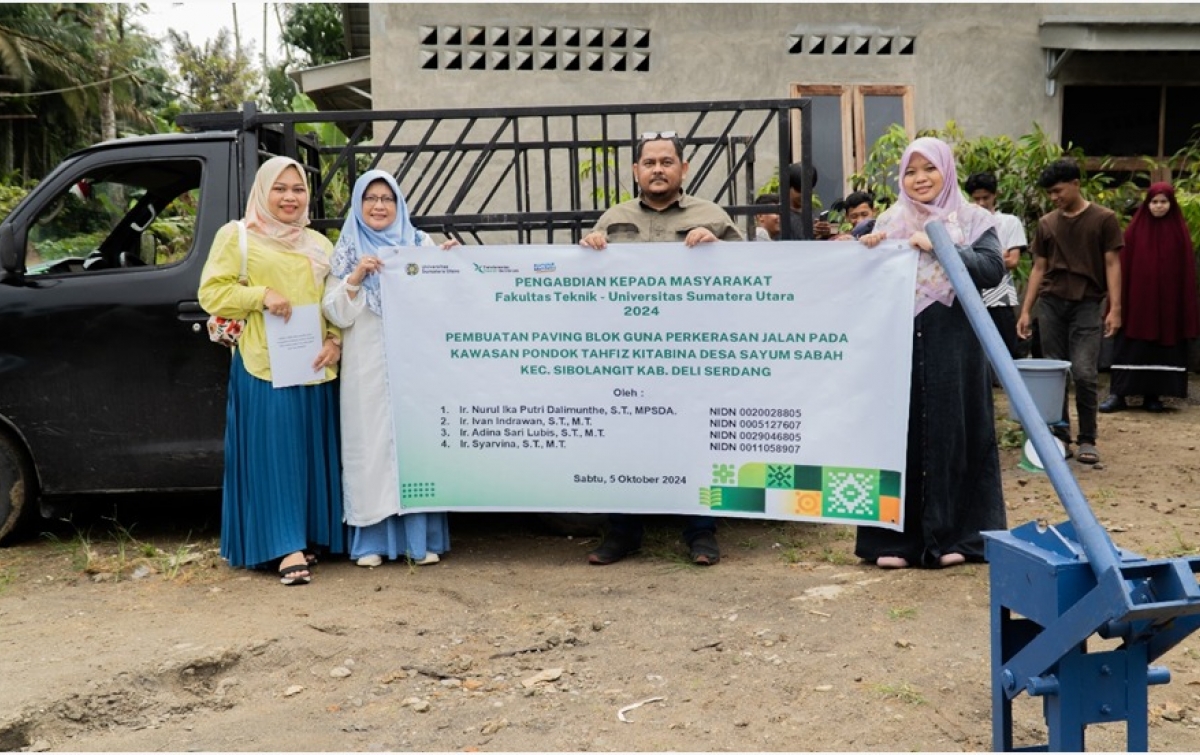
point(952, 477)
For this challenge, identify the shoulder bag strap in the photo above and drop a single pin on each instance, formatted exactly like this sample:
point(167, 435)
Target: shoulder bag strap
point(244, 278)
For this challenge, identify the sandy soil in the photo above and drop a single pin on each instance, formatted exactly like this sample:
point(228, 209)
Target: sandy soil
point(124, 631)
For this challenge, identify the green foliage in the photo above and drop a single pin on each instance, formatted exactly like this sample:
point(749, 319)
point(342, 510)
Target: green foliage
point(337, 192)
point(903, 691)
point(1017, 164)
point(1009, 434)
point(317, 30)
point(772, 187)
point(125, 80)
point(1189, 203)
point(327, 133)
point(604, 162)
point(86, 71)
point(879, 173)
point(215, 76)
point(175, 228)
point(72, 246)
point(11, 195)
point(1187, 185)
point(281, 90)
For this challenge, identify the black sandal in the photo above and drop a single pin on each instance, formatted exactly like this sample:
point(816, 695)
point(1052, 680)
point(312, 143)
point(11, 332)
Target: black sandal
point(291, 575)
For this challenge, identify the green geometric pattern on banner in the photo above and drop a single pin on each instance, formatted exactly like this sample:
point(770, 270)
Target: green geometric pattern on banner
point(724, 474)
point(418, 490)
point(845, 492)
point(752, 475)
point(850, 493)
point(889, 483)
point(781, 476)
point(808, 478)
point(738, 499)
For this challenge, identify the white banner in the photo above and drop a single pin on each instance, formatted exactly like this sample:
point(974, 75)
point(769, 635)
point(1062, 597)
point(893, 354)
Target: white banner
point(737, 379)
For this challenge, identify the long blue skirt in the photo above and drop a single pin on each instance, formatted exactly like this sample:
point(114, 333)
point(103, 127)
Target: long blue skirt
point(402, 536)
point(283, 483)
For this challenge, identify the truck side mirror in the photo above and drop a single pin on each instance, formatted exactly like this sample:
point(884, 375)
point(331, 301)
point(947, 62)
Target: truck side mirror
point(12, 257)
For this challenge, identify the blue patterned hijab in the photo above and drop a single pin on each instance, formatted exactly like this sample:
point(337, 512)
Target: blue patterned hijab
point(359, 239)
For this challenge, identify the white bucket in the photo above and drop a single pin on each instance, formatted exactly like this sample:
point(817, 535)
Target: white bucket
point(1046, 380)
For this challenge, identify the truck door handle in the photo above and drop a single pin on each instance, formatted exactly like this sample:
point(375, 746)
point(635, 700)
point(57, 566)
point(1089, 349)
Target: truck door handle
point(190, 311)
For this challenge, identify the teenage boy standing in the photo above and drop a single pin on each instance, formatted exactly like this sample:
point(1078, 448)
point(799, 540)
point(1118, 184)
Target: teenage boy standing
point(1076, 262)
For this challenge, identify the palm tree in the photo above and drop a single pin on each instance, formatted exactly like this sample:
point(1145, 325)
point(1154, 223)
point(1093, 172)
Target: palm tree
point(33, 57)
point(122, 57)
point(83, 68)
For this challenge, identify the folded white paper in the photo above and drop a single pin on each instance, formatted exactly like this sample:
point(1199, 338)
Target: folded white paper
point(293, 346)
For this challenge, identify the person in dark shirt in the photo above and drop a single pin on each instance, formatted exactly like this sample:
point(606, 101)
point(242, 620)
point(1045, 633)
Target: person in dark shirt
point(1076, 263)
point(822, 229)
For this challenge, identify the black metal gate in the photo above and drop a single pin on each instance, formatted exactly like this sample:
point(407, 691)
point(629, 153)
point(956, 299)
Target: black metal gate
point(537, 174)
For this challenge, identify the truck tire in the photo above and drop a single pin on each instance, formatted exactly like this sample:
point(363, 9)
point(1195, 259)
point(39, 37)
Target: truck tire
point(18, 499)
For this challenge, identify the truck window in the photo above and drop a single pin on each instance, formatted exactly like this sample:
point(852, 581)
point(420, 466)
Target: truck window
point(118, 217)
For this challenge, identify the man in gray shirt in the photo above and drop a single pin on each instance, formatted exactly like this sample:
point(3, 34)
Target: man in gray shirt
point(661, 212)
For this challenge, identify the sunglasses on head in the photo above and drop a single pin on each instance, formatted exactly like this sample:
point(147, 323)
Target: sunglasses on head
point(650, 136)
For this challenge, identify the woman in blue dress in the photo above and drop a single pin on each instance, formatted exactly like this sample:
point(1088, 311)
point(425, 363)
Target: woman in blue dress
point(282, 488)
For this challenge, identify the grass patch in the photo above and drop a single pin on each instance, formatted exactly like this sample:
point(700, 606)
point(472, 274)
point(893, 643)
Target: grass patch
point(119, 553)
point(838, 556)
point(799, 542)
point(905, 693)
point(792, 555)
point(664, 544)
point(125, 548)
point(1182, 547)
point(895, 614)
point(78, 549)
point(171, 565)
point(1009, 434)
point(749, 542)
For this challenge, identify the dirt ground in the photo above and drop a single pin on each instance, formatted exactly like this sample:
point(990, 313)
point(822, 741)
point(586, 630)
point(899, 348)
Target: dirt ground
point(124, 631)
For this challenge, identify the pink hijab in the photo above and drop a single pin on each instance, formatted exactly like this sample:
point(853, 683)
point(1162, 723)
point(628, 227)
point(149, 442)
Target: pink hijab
point(291, 238)
point(963, 220)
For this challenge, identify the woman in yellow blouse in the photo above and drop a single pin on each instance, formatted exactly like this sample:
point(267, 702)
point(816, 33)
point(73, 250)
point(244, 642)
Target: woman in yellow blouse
point(282, 488)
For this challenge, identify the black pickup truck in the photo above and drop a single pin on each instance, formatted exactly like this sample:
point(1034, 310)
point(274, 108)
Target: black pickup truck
point(108, 382)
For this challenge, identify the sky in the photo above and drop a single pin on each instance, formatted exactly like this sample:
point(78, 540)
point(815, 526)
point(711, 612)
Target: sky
point(203, 20)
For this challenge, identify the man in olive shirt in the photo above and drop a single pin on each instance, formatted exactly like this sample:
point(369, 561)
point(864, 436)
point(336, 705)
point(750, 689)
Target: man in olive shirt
point(1076, 261)
point(661, 212)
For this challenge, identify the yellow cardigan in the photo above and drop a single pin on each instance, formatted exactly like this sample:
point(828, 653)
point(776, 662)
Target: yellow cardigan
point(267, 267)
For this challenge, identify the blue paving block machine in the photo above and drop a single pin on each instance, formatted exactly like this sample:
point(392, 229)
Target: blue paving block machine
point(1056, 586)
